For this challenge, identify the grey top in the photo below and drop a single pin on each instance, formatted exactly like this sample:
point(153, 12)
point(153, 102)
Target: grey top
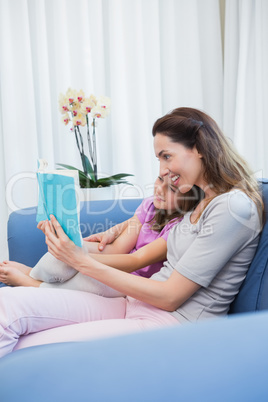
point(215, 253)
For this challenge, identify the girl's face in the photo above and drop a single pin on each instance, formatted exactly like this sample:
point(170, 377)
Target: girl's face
point(183, 166)
point(166, 196)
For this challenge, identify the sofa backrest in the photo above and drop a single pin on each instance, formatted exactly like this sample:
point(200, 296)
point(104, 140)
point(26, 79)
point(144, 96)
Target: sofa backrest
point(26, 243)
point(253, 294)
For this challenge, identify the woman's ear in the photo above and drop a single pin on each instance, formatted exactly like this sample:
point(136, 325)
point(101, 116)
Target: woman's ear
point(198, 153)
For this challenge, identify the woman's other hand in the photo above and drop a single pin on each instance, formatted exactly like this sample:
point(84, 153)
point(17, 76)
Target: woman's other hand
point(41, 225)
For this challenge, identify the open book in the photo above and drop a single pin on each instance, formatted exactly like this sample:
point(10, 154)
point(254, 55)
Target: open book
point(59, 196)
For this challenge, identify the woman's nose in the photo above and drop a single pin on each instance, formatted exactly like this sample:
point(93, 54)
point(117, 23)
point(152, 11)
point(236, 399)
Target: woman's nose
point(163, 171)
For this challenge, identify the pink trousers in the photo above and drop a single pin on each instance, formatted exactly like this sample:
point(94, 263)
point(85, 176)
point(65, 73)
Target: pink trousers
point(36, 316)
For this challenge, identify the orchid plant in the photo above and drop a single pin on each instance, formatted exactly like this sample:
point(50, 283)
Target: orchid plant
point(80, 111)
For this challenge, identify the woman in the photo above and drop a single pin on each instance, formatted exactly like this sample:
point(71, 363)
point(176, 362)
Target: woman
point(209, 252)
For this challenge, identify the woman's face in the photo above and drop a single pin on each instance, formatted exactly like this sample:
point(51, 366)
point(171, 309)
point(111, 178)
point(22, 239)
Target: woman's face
point(183, 166)
point(166, 196)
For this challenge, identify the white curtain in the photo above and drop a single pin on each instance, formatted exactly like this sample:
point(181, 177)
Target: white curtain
point(148, 56)
point(246, 80)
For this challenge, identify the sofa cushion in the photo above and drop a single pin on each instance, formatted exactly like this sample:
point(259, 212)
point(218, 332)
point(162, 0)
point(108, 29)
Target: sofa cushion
point(253, 294)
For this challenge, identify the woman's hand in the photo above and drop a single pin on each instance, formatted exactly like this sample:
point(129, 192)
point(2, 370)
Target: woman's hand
point(41, 225)
point(60, 246)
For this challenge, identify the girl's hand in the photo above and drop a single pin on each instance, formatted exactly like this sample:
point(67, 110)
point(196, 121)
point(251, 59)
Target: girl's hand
point(110, 235)
point(102, 238)
point(60, 246)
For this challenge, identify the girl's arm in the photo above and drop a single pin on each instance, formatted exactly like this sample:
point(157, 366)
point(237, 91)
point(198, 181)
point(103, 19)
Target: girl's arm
point(107, 237)
point(147, 255)
point(167, 295)
point(124, 243)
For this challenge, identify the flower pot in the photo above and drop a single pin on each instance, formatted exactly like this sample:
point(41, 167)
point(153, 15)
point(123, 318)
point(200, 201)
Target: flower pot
point(99, 193)
point(115, 192)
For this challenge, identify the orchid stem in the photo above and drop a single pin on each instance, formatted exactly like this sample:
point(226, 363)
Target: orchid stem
point(89, 140)
point(80, 145)
point(94, 151)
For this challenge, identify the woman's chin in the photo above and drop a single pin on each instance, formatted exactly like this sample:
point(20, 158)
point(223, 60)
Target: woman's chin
point(184, 188)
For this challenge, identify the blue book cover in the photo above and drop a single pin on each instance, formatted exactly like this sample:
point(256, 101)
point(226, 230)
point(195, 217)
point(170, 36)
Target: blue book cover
point(59, 196)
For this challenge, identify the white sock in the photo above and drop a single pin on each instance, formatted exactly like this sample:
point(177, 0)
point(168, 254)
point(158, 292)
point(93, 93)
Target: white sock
point(49, 269)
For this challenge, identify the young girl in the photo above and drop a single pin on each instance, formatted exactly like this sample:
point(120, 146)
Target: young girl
point(208, 255)
point(144, 236)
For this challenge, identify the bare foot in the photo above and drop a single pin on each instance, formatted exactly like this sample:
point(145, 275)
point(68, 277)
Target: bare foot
point(14, 274)
point(23, 268)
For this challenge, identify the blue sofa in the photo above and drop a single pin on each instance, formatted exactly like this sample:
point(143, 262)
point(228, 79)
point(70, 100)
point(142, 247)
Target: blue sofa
point(218, 360)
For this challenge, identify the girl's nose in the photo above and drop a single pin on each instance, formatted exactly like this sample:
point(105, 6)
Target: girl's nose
point(159, 188)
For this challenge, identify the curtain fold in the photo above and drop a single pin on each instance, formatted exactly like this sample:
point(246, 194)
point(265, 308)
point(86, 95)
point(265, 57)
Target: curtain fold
point(245, 80)
point(147, 56)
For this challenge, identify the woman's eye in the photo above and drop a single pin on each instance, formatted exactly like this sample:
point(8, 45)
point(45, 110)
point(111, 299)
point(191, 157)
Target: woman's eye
point(172, 189)
point(166, 156)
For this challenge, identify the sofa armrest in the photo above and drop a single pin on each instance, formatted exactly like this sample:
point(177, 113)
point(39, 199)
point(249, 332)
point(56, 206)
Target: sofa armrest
point(216, 360)
point(26, 244)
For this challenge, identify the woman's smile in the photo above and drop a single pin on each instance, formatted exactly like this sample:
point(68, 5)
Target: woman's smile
point(175, 179)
